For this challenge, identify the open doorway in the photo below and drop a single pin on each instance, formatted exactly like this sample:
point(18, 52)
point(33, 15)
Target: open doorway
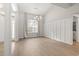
point(75, 29)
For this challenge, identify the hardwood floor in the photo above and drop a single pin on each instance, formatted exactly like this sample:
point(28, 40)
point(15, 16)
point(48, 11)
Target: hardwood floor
point(42, 47)
point(1, 48)
point(45, 47)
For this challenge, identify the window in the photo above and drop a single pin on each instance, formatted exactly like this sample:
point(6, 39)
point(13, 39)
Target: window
point(32, 26)
point(14, 7)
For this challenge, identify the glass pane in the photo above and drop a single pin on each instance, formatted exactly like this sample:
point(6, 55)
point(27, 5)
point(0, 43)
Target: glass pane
point(32, 26)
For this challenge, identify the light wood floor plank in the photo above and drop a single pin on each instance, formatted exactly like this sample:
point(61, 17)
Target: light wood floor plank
point(45, 47)
point(42, 47)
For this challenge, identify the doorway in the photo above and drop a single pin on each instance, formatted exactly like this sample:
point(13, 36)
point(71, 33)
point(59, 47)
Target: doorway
point(75, 30)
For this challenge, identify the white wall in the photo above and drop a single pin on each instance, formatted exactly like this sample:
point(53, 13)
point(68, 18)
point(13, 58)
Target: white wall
point(41, 26)
point(58, 23)
point(60, 30)
point(7, 30)
point(56, 13)
point(19, 24)
point(1, 28)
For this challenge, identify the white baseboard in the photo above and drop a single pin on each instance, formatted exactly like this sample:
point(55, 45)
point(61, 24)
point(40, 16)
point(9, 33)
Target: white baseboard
point(58, 40)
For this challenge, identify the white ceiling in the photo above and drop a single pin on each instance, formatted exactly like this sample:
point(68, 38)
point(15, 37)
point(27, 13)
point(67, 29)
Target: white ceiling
point(36, 8)
point(42, 8)
point(64, 5)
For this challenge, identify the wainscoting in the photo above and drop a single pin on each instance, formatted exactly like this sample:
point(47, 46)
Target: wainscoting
point(60, 30)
